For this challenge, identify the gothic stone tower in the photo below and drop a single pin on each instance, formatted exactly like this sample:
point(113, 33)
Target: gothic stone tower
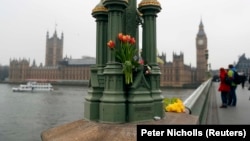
point(54, 49)
point(178, 68)
point(19, 70)
point(201, 54)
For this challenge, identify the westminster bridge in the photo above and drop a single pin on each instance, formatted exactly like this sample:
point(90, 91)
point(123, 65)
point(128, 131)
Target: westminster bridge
point(202, 108)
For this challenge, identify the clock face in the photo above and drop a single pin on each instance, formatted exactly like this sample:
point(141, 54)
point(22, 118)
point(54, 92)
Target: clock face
point(200, 42)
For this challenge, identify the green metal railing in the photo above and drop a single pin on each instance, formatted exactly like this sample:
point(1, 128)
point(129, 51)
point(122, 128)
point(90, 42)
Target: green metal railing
point(198, 102)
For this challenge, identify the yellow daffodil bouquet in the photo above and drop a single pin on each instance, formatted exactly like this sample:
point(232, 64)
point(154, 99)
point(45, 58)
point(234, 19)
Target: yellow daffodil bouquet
point(174, 105)
point(126, 55)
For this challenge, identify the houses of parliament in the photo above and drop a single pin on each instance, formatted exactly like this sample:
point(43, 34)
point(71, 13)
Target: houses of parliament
point(59, 69)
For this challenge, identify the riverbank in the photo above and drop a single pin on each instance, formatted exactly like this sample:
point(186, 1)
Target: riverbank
point(86, 83)
point(58, 82)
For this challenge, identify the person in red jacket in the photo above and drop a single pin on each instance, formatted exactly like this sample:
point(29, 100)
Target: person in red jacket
point(223, 88)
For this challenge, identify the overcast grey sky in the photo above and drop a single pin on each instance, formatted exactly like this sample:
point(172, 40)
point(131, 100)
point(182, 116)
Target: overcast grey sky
point(24, 23)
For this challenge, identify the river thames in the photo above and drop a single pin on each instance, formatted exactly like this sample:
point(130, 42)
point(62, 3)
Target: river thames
point(25, 115)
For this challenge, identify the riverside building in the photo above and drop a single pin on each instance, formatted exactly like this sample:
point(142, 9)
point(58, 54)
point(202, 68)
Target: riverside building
point(77, 71)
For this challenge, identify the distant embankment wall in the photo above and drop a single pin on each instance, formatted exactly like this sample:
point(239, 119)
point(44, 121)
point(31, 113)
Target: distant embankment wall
point(59, 82)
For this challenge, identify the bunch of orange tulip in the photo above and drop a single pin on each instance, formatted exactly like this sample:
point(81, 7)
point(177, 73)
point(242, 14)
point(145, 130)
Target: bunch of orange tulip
point(125, 54)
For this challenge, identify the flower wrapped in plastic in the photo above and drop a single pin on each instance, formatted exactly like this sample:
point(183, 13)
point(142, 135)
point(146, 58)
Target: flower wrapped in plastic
point(126, 55)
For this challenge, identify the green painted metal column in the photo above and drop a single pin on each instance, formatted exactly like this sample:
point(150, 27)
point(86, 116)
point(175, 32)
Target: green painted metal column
point(113, 101)
point(92, 100)
point(149, 10)
point(109, 99)
point(140, 103)
point(139, 100)
point(130, 19)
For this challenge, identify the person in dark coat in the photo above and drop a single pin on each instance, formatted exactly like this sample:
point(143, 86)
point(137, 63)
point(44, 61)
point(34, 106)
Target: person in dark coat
point(243, 80)
point(232, 99)
point(249, 83)
point(223, 88)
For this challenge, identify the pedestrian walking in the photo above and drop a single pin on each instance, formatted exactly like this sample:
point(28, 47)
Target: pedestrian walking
point(249, 79)
point(249, 83)
point(232, 99)
point(224, 88)
point(243, 80)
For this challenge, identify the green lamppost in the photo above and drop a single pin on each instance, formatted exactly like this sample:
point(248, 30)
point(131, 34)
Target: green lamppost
point(149, 10)
point(113, 102)
point(109, 99)
point(92, 100)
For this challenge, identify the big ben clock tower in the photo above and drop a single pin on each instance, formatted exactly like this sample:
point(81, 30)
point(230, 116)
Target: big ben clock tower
point(201, 54)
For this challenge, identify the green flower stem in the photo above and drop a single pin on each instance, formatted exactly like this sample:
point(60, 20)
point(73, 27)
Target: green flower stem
point(127, 69)
point(125, 55)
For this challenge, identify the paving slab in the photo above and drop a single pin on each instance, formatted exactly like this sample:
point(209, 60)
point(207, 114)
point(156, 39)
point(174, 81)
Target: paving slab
point(83, 130)
point(240, 114)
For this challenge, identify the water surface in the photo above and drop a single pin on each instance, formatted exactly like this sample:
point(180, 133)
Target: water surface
point(25, 115)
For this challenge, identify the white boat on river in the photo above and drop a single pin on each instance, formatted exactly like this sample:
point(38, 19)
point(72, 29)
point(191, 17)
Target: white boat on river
point(33, 86)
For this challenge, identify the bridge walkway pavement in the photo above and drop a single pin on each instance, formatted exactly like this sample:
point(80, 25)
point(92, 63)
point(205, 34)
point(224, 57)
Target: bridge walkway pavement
point(240, 114)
